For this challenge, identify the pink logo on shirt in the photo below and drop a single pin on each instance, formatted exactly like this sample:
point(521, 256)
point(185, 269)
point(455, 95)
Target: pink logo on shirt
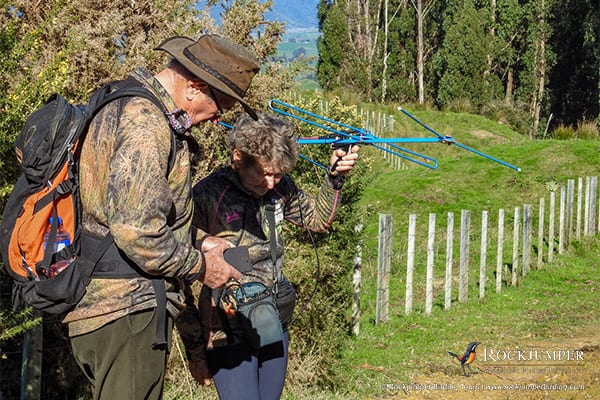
point(231, 217)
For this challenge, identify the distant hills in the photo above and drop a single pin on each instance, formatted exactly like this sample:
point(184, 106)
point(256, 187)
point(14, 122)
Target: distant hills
point(297, 15)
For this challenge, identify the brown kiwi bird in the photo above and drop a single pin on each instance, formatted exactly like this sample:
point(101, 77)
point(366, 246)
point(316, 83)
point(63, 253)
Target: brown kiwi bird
point(468, 357)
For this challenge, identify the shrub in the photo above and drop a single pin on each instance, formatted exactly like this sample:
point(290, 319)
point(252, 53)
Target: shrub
point(588, 130)
point(513, 115)
point(461, 106)
point(564, 132)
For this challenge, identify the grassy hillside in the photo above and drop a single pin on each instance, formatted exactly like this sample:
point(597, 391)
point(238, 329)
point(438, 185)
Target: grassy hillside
point(551, 303)
point(464, 180)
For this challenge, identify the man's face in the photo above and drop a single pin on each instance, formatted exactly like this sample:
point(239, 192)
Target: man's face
point(208, 105)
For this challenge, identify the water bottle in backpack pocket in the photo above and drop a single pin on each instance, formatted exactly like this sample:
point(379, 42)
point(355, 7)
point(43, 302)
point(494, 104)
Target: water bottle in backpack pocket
point(61, 241)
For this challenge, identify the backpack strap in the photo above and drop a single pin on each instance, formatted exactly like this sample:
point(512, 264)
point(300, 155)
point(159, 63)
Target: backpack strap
point(270, 212)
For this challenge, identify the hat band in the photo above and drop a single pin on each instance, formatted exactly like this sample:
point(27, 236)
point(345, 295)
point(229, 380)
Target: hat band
point(214, 73)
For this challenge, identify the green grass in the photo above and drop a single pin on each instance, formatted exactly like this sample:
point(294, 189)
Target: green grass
point(550, 302)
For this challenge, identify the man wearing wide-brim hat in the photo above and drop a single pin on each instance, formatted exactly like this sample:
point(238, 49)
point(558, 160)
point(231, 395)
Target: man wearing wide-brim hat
point(135, 184)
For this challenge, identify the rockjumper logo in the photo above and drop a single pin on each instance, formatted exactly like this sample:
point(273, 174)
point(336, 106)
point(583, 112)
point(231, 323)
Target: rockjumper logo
point(518, 356)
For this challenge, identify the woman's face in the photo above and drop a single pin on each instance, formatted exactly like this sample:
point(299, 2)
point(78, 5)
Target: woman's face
point(255, 176)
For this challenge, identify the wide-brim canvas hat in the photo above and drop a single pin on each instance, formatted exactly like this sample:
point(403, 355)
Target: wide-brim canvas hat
point(224, 65)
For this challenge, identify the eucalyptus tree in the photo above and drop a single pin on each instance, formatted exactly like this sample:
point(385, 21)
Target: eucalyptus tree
point(422, 9)
point(463, 59)
point(332, 44)
point(350, 44)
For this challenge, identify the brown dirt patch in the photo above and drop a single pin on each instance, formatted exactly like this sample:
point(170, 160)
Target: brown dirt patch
point(521, 380)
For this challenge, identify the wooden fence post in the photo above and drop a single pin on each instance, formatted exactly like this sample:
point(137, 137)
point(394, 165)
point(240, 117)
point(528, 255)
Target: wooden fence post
point(483, 254)
point(430, 258)
point(593, 200)
point(383, 268)
point(551, 213)
point(31, 368)
point(579, 204)
point(561, 220)
point(449, 248)
point(598, 213)
point(357, 281)
point(526, 238)
point(410, 262)
point(540, 234)
point(499, 262)
point(586, 207)
point(515, 257)
point(463, 275)
point(570, 202)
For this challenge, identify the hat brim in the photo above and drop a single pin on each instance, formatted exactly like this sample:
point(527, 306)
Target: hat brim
point(175, 47)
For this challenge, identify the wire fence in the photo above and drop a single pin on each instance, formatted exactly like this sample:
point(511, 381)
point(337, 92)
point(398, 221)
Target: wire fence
point(439, 265)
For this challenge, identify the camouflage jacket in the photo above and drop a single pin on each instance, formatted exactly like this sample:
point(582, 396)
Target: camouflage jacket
point(224, 208)
point(125, 190)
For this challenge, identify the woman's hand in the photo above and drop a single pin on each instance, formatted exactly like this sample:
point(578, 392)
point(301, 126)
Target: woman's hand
point(342, 161)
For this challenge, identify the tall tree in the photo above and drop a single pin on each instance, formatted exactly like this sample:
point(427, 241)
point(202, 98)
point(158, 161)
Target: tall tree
point(364, 23)
point(463, 58)
point(540, 63)
point(509, 41)
point(349, 44)
point(387, 22)
point(332, 44)
point(422, 8)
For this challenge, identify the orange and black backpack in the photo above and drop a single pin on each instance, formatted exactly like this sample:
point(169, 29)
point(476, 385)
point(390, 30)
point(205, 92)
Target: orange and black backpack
point(46, 194)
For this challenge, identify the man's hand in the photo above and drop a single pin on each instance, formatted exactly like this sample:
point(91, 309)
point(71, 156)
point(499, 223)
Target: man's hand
point(200, 372)
point(218, 271)
point(342, 161)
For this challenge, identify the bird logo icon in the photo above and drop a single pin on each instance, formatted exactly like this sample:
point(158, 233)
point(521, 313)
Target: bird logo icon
point(468, 357)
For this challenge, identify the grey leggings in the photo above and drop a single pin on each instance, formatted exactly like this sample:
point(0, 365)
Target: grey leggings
point(240, 373)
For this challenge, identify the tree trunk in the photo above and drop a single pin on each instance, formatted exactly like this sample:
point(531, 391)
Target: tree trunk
point(363, 34)
point(540, 68)
point(386, 54)
point(420, 57)
point(490, 57)
point(508, 97)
